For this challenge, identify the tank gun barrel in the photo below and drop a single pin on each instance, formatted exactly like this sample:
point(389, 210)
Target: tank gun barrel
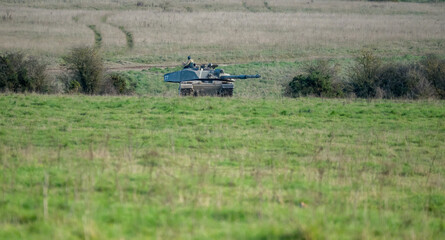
point(240, 76)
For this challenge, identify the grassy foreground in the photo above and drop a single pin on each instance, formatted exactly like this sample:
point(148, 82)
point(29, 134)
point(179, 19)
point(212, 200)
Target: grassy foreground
point(80, 167)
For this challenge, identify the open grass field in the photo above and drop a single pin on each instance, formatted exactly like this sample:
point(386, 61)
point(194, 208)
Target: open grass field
point(80, 167)
point(255, 166)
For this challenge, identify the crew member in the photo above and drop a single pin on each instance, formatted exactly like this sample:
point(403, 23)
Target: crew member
point(190, 63)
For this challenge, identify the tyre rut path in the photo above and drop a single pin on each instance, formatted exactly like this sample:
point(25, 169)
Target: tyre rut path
point(97, 36)
point(128, 35)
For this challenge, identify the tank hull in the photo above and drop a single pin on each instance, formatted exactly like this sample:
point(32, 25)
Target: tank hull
point(211, 88)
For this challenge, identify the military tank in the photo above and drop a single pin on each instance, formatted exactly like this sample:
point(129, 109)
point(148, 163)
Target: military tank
point(204, 80)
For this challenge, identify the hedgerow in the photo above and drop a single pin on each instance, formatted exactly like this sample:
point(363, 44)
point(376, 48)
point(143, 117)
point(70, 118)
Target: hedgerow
point(21, 73)
point(369, 77)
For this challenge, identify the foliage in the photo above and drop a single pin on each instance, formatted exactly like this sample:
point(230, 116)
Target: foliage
point(318, 81)
point(117, 83)
point(404, 81)
point(86, 66)
point(434, 68)
point(395, 82)
point(69, 84)
point(19, 73)
point(419, 86)
point(370, 78)
point(364, 74)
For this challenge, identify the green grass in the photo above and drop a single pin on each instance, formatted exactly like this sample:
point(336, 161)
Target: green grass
point(220, 168)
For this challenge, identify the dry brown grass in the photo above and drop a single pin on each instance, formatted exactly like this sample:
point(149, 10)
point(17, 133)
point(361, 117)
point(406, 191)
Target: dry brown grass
point(285, 30)
point(232, 29)
point(42, 31)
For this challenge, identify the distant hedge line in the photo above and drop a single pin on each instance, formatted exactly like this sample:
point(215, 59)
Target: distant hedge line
point(369, 77)
point(84, 74)
point(19, 73)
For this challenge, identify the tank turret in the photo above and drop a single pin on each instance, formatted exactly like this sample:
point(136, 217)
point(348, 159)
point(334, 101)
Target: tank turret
point(204, 80)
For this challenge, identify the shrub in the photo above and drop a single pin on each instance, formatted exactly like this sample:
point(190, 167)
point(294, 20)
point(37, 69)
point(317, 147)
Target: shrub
point(117, 83)
point(107, 87)
point(364, 74)
point(36, 73)
point(419, 86)
point(86, 67)
point(69, 85)
point(394, 81)
point(318, 80)
point(369, 78)
point(434, 70)
point(19, 73)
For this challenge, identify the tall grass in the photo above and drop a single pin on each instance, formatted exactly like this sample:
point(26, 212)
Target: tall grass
point(226, 31)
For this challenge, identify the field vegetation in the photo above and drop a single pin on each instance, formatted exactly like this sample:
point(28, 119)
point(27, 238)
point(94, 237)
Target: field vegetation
point(259, 165)
point(276, 39)
point(212, 168)
point(165, 32)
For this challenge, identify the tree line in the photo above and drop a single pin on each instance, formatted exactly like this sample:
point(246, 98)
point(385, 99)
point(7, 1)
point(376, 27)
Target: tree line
point(84, 73)
point(370, 77)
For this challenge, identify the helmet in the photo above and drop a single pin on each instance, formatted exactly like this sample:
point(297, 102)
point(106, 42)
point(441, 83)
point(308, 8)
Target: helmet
point(188, 57)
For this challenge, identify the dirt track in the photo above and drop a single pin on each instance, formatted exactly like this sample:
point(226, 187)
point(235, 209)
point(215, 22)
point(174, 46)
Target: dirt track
point(117, 68)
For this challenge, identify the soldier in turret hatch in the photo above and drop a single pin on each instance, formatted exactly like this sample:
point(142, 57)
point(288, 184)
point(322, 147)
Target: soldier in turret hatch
point(190, 63)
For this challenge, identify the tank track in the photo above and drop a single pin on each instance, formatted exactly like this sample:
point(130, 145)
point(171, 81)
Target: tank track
point(228, 92)
point(187, 92)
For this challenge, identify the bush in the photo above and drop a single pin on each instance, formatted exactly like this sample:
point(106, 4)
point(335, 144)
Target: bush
point(364, 75)
point(369, 78)
point(319, 80)
point(117, 83)
point(70, 85)
point(419, 86)
point(434, 71)
point(19, 73)
point(86, 66)
point(393, 80)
